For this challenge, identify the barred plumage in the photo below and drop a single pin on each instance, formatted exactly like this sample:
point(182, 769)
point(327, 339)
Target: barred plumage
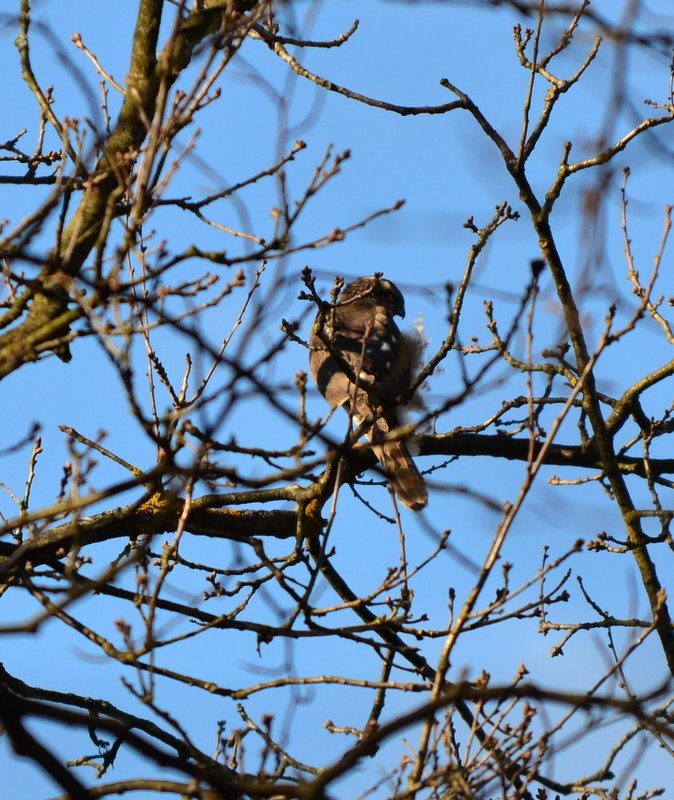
point(360, 335)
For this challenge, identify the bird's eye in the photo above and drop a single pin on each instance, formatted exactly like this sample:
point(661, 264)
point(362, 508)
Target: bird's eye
point(391, 297)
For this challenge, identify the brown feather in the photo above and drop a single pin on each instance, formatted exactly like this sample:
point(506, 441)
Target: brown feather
point(405, 479)
point(359, 335)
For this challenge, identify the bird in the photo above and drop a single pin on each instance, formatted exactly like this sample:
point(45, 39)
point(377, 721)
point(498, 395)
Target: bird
point(360, 360)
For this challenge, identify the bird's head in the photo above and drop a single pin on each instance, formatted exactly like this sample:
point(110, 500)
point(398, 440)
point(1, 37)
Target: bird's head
point(374, 290)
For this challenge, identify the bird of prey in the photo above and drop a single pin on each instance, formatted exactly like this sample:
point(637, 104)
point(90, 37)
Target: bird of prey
point(361, 360)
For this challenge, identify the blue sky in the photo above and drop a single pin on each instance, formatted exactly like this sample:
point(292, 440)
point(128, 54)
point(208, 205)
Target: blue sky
point(446, 171)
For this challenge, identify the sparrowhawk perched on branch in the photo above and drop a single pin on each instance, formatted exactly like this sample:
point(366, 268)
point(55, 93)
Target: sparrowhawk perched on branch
point(362, 361)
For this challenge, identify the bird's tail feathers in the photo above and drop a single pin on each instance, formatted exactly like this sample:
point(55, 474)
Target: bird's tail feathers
point(405, 479)
point(401, 471)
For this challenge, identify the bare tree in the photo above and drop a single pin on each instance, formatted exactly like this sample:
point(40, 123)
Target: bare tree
point(195, 543)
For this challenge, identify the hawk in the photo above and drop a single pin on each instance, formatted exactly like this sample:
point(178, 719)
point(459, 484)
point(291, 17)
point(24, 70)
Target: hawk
point(361, 360)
